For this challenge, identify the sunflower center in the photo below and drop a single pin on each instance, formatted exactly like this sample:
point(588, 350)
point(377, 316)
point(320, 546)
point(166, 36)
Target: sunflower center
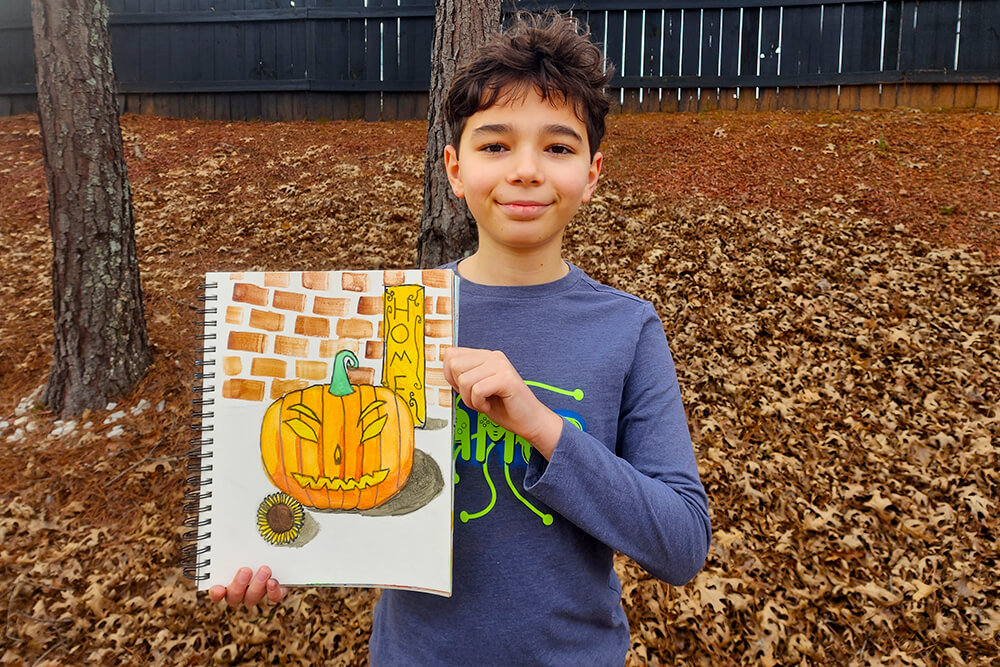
point(280, 518)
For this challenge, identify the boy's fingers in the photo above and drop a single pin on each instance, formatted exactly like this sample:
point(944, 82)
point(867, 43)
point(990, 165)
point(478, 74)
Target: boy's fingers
point(238, 588)
point(258, 587)
point(481, 391)
point(217, 592)
point(275, 593)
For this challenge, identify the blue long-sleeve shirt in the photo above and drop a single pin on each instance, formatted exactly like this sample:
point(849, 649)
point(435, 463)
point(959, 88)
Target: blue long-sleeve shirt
point(533, 575)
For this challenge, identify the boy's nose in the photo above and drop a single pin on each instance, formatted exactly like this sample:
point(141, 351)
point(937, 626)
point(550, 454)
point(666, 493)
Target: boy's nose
point(526, 170)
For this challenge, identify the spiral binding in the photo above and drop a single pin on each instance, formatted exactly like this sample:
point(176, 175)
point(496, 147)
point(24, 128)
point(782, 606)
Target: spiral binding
point(197, 497)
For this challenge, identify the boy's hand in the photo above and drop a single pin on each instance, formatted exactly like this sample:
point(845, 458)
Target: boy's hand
point(489, 383)
point(248, 589)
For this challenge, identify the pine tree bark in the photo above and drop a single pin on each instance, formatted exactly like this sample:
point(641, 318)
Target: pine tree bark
point(101, 349)
point(447, 230)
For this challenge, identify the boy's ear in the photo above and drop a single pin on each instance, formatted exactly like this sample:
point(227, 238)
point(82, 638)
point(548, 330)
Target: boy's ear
point(592, 176)
point(451, 168)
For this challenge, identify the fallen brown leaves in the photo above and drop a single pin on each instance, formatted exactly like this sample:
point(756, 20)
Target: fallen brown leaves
point(839, 356)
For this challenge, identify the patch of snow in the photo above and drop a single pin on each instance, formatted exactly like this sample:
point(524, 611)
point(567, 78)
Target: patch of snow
point(114, 416)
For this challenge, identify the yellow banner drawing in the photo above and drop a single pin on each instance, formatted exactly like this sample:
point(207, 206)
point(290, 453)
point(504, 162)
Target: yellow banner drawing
point(403, 327)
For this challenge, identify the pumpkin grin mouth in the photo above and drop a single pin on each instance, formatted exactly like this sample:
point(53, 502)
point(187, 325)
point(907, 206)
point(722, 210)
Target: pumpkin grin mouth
point(340, 483)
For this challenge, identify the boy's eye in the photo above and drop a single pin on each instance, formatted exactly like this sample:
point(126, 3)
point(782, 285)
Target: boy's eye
point(561, 149)
point(493, 148)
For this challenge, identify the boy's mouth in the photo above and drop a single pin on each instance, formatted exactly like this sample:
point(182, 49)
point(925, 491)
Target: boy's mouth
point(523, 209)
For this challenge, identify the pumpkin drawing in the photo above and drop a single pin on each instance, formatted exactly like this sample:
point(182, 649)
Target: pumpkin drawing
point(338, 446)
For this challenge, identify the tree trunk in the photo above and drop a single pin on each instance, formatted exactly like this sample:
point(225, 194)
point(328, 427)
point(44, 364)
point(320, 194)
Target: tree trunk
point(101, 349)
point(447, 230)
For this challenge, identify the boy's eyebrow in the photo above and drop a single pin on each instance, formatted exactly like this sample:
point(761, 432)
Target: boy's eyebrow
point(563, 130)
point(492, 128)
point(504, 128)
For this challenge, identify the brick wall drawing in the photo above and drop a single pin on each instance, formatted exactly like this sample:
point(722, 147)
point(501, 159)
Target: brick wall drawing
point(280, 331)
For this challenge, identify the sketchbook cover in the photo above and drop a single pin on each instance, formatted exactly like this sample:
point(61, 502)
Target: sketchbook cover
point(326, 429)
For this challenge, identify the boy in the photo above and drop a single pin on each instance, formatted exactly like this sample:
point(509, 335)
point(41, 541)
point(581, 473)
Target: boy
point(595, 454)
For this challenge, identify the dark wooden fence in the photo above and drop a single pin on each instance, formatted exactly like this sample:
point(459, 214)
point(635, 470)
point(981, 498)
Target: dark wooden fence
point(284, 59)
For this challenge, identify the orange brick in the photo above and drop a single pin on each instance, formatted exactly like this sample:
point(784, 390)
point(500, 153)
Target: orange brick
point(247, 390)
point(330, 307)
point(270, 367)
point(232, 365)
point(442, 348)
point(282, 387)
point(289, 300)
point(444, 397)
point(361, 375)
point(275, 279)
point(434, 377)
point(437, 328)
point(312, 326)
point(381, 333)
point(234, 315)
point(246, 341)
point(428, 305)
point(236, 276)
point(265, 319)
point(291, 347)
point(354, 282)
point(393, 278)
point(374, 349)
point(248, 293)
point(436, 278)
point(330, 348)
point(311, 370)
point(430, 353)
point(444, 305)
point(348, 328)
point(370, 305)
point(315, 279)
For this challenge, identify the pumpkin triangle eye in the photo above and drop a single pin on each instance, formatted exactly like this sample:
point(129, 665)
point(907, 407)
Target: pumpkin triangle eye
point(337, 455)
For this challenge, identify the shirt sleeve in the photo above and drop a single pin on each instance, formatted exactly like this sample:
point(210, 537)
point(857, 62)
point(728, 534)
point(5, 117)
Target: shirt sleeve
point(646, 500)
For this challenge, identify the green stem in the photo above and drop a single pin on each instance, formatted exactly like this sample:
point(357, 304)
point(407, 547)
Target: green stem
point(340, 384)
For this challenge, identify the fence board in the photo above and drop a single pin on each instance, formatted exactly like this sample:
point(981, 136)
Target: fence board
point(892, 26)
point(632, 57)
point(988, 97)
point(979, 47)
point(965, 96)
point(390, 66)
point(830, 35)
point(653, 48)
point(614, 47)
point(770, 36)
point(729, 56)
point(859, 50)
point(372, 59)
point(937, 36)
point(671, 49)
point(690, 53)
point(711, 25)
point(338, 58)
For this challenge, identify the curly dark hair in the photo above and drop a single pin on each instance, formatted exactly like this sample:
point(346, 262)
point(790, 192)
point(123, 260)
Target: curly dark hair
point(546, 51)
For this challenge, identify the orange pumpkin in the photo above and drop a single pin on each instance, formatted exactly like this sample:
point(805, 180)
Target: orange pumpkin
point(338, 446)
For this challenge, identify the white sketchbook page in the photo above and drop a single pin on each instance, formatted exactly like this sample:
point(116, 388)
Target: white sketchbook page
point(411, 550)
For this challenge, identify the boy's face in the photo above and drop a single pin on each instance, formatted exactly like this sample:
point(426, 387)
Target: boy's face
point(524, 167)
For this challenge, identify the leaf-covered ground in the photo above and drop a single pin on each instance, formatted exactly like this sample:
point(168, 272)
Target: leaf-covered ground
point(830, 286)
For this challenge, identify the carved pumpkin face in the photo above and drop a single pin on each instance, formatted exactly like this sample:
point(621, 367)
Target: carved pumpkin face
point(338, 446)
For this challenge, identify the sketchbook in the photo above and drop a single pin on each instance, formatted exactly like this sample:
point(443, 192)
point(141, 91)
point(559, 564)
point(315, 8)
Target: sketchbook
point(323, 423)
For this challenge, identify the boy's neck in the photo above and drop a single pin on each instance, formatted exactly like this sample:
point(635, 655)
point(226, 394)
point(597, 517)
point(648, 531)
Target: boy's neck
point(505, 268)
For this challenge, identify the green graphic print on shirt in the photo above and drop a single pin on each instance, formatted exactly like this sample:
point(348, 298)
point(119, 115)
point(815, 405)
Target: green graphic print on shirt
point(477, 437)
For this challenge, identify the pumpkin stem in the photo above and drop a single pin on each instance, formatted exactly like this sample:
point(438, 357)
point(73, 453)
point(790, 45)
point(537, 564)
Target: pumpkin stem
point(340, 384)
